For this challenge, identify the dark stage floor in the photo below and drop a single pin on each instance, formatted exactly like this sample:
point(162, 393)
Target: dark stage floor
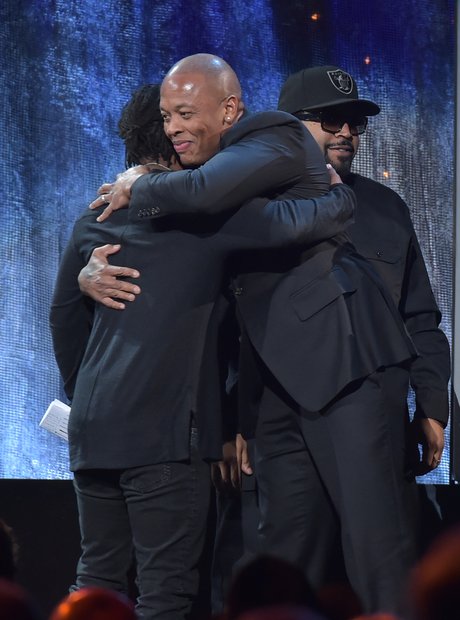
point(43, 515)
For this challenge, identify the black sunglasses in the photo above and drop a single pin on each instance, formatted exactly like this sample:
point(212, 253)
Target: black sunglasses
point(333, 123)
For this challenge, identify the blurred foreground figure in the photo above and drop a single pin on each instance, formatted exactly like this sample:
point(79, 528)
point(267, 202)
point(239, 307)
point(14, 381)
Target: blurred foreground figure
point(434, 588)
point(15, 603)
point(94, 604)
point(377, 617)
point(268, 582)
point(281, 613)
point(338, 601)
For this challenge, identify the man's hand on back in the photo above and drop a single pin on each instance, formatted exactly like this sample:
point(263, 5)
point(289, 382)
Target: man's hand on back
point(99, 280)
point(117, 194)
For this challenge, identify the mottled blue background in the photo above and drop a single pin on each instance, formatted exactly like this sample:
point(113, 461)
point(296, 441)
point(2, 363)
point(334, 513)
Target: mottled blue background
point(69, 66)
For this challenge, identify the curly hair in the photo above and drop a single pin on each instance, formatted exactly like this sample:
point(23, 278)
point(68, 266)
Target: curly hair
point(141, 128)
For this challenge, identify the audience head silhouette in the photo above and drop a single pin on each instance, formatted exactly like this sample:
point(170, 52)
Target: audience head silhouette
point(15, 603)
point(94, 604)
point(434, 588)
point(281, 612)
point(268, 581)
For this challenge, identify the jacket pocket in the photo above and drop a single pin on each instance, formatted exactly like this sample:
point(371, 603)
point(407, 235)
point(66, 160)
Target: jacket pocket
point(387, 251)
point(321, 292)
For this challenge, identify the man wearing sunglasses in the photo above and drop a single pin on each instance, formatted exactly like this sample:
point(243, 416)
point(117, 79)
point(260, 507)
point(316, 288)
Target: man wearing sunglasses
point(326, 100)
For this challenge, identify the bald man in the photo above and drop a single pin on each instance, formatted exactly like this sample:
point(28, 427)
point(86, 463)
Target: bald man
point(318, 325)
point(319, 329)
point(145, 421)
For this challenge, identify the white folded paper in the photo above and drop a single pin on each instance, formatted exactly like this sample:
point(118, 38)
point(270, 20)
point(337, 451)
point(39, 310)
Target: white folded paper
point(56, 419)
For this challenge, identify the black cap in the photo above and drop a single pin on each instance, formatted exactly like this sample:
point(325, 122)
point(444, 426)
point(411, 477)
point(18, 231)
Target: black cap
point(323, 87)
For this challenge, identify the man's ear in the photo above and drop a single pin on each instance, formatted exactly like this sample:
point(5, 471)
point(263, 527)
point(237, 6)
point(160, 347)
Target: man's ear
point(232, 105)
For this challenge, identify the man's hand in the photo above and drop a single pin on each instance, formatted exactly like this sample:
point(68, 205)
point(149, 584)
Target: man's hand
point(99, 279)
point(334, 176)
point(225, 474)
point(242, 456)
point(429, 434)
point(117, 194)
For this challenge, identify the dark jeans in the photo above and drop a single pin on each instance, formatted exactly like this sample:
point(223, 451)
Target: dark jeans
point(156, 512)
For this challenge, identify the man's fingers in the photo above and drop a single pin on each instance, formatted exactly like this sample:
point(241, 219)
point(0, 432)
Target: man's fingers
point(101, 200)
point(105, 188)
point(106, 250)
point(123, 292)
point(215, 476)
point(429, 462)
point(117, 201)
point(116, 194)
point(333, 175)
point(222, 474)
point(430, 434)
point(105, 214)
point(242, 455)
point(235, 475)
point(246, 466)
point(100, 280)
point(112, 303)
point(107, 281)
point(436, 460)
point(103, 267)
point(432, 457)
point(114, 271)
point(244, 461)
point(433, 442)
point(115, 293)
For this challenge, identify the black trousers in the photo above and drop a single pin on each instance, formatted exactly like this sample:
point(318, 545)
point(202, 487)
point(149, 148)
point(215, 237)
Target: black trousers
point(351, 455)
point(157, 513)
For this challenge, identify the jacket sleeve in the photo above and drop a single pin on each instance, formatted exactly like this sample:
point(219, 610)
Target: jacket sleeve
point(71, 316)
point(259, 163)
point(262, 224)
point(430, 372)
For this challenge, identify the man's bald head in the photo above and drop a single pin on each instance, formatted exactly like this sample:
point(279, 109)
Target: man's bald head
point(200, 100)
point(217, 71)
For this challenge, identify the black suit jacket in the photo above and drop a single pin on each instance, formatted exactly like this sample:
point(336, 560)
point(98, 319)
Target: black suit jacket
point(136, 376)
point(320, 318)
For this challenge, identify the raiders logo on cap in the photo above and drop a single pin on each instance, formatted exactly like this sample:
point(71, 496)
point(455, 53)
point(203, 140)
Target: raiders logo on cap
point(341, 80)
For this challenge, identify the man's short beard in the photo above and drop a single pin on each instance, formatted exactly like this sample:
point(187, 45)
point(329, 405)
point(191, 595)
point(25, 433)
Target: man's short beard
point(343, 168)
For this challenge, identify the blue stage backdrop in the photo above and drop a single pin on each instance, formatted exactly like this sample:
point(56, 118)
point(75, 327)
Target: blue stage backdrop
point(68, 67)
